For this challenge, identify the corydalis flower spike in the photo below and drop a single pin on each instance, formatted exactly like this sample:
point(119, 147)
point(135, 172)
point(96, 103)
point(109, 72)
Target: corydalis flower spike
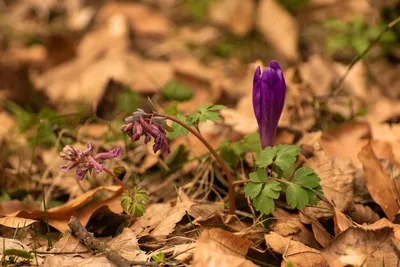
point(84, 161)
point(269, 90)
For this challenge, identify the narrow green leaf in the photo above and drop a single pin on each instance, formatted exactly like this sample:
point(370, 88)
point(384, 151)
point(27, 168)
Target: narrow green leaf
point(20, 253)
point(266, 156)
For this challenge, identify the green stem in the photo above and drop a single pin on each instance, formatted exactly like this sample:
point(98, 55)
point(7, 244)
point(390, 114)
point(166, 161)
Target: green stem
point(231, 192)
point(116, 179)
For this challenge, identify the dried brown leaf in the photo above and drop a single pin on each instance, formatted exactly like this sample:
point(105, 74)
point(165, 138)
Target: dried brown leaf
point(341, 222)
point(337, 184)
point(143, 20)
point(295, 252)
point(218, 248)
point(277, 24)
point(82, 207)
point(358, 246)
point(362, 214)
point(236, 15)
point(379, 184)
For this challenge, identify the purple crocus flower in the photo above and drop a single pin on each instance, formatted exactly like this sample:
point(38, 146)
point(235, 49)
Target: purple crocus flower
point(84, 160)
point(138, 125)
point(269, 89)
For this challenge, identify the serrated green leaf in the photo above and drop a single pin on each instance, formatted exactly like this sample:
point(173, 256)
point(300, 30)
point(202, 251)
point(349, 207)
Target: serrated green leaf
point(312, 197)
point(306, 177)
point(286, 156)
point(260, 176)
point(264, 203)
point(135, 203)
point(19, 253)
point(273, 189)
point(211, 115)
point(252, 190)
point(296, 196)
point(178, 129)
point(175, 90)
point(266, 156)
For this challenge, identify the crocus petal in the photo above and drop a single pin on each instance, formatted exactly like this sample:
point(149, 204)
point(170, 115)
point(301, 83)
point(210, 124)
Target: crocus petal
point(268, 100)
point(257, 94)
point(80, 174)
point(113, 153)
point(95, 165)
point(68, 167)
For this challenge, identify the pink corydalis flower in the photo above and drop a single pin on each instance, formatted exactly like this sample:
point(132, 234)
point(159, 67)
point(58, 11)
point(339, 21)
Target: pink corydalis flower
point(269, 90)
point(138, 125)
point(84, 160)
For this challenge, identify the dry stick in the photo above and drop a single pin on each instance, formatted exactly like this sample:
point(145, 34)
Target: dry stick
point(360, 56)
point(95, 244)
point(231, 193)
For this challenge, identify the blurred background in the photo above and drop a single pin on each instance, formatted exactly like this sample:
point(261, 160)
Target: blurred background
point(64, 64)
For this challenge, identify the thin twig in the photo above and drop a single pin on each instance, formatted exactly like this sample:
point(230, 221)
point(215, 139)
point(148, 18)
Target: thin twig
point(95, 244)
point(231, 193)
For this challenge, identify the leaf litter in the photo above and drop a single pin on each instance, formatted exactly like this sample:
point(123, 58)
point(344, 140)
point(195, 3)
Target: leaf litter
point(71, 72)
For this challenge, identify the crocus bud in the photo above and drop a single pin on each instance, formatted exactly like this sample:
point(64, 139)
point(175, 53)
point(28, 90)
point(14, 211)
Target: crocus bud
point(269, 89)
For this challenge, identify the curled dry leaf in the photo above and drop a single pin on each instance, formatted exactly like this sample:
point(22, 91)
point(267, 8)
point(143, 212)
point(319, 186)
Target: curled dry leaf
point(379, 184)
point(218, 248)
point(341, 222)
point(236, 15)
point(81, 207)
point(295, 252)
point(277, 24)
point(336, 183)
point(362, 247)
point(362, 214)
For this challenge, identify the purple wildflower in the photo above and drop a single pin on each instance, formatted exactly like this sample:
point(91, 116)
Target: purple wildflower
point(84, 160)
point(269, 89)
point(138, 125)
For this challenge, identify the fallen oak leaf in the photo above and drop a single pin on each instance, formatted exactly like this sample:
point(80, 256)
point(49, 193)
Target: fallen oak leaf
point(295, 252)
point(379, 184)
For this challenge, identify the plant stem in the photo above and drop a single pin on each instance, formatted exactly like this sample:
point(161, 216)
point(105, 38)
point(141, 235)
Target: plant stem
point(231, 192)
point(116, 178)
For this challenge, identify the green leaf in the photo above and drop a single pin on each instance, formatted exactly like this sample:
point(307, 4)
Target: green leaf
point(158, 257)
point(306, 177)
point(228, 154)
point(264, 203)
point(19, 253)
point(178, 129)
point(273, 189)
point(266, 156)
point(215, 107)
point(128, 101)
point(260, 176)
point(134, 203)
point(252, 190)
point(296, 196)
point(175, 90)
point(286, 156)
